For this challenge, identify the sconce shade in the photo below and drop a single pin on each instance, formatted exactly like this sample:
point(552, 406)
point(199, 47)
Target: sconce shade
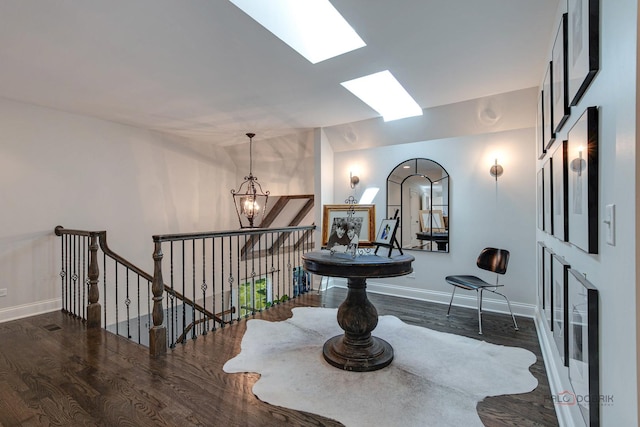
point(353, 180)
point(249, 199)
point(496, 170)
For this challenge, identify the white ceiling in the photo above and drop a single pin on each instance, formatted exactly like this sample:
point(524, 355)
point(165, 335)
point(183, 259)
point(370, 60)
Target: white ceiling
point(204, 70)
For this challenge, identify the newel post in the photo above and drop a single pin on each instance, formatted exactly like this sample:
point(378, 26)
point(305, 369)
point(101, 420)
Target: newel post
point(158, 333)
point(94, 310)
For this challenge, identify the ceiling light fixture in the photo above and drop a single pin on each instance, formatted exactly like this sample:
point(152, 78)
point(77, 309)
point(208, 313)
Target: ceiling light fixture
point(249, 199)
point(382, 92)
point(313, 28)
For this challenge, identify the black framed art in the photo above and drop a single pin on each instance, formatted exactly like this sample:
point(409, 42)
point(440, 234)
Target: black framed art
point(540, 261)
point(583, 47)
point(547, 108)
point(560, 277)
point(559, 192)
point(582, 155)
point(584, 357)
point(547, 198)
point(540, 131)
point(548, 286)
point(540, 198)
point(561, 107)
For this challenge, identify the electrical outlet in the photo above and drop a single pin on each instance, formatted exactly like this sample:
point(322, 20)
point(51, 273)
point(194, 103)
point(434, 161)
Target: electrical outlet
point(3, 292)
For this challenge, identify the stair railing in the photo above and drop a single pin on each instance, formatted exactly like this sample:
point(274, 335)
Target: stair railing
point(234, 274)
point(215, 278)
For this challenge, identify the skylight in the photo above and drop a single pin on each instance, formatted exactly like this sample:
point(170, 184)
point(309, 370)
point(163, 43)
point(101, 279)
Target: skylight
point(314, 28)
point(384, 94)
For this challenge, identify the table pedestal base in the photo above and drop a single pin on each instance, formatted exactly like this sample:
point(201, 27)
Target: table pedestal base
point(357, 350)
point(344, 355)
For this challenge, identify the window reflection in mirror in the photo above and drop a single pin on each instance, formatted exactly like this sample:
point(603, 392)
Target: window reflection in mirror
point(418, 193)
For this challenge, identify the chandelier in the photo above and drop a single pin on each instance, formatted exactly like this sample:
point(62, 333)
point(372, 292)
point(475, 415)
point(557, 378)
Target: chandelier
point(249, 199)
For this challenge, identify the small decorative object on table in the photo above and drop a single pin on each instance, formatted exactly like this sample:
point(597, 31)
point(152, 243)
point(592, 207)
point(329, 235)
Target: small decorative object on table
point(386, 236)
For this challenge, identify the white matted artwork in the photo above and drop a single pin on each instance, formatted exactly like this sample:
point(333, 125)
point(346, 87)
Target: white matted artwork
point(584, 354)
point(560, 200)
point(560, 277)
point(582, 154)
point(583, 46)
point(432, 221)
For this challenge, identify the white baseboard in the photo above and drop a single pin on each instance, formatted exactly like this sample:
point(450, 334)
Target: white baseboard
point(31, 309)
point(558, 380)
point(460, 300)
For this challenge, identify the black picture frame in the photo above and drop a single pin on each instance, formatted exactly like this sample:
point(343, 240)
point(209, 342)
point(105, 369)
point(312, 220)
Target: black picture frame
point(548, 287)
point(560, 278)
point(540, 130)
point(583, 46)
point(541, 284)
point(560, 195)
point(540, 198)
point(582, 158)
point(561, 108)
point(547, 193)
point(547, 108)
point(583, 353)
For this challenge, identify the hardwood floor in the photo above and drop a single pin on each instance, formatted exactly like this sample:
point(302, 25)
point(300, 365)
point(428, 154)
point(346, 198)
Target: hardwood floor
point(53, 371)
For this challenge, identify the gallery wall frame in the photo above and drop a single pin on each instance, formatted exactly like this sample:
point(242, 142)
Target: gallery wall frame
point(540, 130)
point(559, 179)
point(548, 286)
point(541, 284)
point(547, 108)
point(583, 353)
point(582, 157)
point(561, 108)
point(547, 192)
point(560, 277)
point(540, 198)
point(363, 215)
point(583, 46)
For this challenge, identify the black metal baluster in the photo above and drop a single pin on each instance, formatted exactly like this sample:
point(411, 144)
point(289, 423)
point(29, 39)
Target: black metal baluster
point(184, 287)
point(116, 298)
point(127, 302)
point(174, 311)
point(62, 272)
point(213, 281)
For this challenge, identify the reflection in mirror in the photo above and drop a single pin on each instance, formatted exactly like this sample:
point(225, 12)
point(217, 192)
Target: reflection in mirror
point(418, 192)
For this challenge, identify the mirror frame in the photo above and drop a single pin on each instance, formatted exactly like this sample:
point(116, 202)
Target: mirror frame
point(399, 176)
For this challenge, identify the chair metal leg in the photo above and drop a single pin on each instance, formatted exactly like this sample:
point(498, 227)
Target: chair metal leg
point(479, 311)
point(451, 302)
point(515, 325)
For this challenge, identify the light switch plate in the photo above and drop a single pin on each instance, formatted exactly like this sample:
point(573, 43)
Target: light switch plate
point(610, 224)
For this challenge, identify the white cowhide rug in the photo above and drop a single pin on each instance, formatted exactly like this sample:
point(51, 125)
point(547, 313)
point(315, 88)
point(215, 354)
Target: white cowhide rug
point(435, 379)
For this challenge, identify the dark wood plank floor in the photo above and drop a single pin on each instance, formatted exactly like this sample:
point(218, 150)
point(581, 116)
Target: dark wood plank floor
point(53, 371)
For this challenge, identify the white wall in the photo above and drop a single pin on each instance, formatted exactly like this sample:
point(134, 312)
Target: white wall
point(79, 172)
point(613, 270)
point(481, 213)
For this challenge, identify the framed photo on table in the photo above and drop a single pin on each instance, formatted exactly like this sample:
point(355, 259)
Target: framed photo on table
point(582, 155)
point(432, 221)
point(336, 221)
point(386, 236)
point(583, 47)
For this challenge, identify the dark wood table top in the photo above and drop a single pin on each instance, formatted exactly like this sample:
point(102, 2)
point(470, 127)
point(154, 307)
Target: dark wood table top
point(362, 266)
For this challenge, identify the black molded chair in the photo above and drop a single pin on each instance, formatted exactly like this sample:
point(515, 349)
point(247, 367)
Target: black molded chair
point(490, 259)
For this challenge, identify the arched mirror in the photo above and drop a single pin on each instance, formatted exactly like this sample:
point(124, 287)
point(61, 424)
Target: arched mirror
point(418, 191)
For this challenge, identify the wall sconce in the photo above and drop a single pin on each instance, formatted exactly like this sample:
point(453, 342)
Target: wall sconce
point(353, 180)
point(496, 170)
